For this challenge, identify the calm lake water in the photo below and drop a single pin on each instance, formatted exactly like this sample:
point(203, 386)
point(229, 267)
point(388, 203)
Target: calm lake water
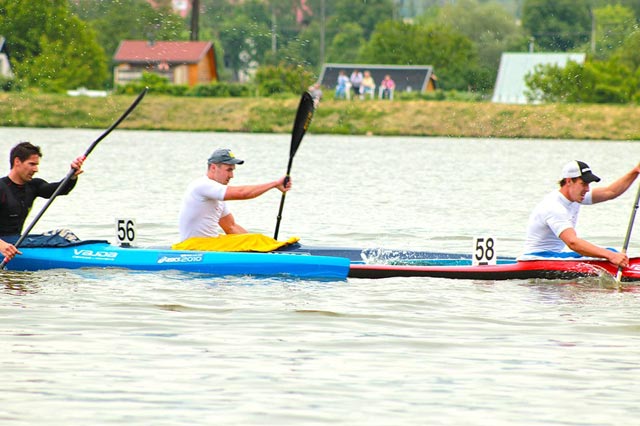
point(98, 347)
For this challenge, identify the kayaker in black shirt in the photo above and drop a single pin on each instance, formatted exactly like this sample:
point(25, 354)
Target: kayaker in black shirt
point(19, 189)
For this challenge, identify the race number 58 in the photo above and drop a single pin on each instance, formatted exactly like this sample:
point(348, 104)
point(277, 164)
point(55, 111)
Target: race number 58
point(125, 231)
point(484, 251)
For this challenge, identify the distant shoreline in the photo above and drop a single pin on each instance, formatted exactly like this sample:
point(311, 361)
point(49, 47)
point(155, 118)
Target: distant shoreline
point(370, 117)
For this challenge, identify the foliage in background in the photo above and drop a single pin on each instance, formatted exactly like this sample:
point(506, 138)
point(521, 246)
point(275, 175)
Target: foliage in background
point(160, 85)
point(593, 82)
point(491, 29)
point(156, 84)
point(9, 84)
point(49, 47)
point(56, 45)
point(344, 47)
point(283, 79)
point(614, 23)
point(117, 20)
point(557, 25)
point(615, 79)
point(222, 90)
point(448, 51)
point(245, 42)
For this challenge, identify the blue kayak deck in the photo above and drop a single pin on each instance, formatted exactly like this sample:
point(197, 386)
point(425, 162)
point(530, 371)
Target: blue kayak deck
point(388, 256)
point(105, 255)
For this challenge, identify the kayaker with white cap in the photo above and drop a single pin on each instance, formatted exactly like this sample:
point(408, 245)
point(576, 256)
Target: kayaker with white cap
point(551, 228)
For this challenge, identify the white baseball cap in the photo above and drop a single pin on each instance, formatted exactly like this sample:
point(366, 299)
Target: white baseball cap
point(575, 169)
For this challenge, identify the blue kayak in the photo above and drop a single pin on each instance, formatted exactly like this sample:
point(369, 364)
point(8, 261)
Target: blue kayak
point(101, 254)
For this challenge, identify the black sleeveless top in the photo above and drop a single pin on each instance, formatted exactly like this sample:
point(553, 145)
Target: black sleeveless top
point(16, 201)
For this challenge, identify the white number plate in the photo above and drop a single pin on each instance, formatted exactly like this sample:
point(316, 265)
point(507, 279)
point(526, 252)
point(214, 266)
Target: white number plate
point(484, 251)
point(125, 231)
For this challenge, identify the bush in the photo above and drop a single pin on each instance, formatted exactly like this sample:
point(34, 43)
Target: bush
point(282, 79)
point(592, 82)
point(270, 81)
point(156, 84)
point(221, 90)
point(271, 87)
point(9, 85)
point(441, 95)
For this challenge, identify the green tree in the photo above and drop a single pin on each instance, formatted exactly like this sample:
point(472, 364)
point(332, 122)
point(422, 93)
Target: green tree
point(629, 52)
point(594, 82)
point(119, 20)
point(302, 50)
point(250, 32)
point(489, 26)
point(50, 47)
point(633, 5)
point(346, 44)
point(614, 23)
point(245, 43)
point(367, 14)
point(557, 25)
point(398, 43)
point(282, 79)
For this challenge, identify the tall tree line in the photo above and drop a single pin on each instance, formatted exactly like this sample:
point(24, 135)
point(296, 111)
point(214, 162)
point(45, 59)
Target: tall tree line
point(61, 44)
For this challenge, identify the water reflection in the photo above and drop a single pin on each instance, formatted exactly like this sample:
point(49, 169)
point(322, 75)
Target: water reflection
point(19, 283)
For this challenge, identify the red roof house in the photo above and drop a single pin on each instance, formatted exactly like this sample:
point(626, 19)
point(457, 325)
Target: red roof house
point(182, 62)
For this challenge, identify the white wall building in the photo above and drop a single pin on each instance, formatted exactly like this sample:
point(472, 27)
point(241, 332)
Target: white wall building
point(510, 85)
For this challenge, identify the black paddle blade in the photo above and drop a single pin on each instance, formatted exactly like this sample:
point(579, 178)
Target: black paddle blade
point(303, 119)
point(300, 126)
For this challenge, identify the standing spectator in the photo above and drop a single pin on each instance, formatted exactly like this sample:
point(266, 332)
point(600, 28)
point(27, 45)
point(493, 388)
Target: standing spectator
point(387, 86)
point(356, 81)
point(341, 86)
point(315, 91)
point(368, 86)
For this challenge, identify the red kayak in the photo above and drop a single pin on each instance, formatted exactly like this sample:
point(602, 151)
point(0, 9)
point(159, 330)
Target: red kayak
point(545, 269)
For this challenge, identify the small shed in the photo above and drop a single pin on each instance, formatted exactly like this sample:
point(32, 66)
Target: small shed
point(5, 65)
point(182, 62)
point(510, 85)
point(408, 78)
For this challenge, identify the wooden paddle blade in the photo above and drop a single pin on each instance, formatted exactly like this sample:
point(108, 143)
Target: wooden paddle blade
point(301, 124)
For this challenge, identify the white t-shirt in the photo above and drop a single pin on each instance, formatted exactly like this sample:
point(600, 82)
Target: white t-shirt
point(202, 208)
point(552, 215)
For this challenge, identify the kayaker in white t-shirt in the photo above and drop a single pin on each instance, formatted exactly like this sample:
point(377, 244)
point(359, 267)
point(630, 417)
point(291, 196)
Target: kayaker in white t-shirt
point(552, 223)
point(203, 206)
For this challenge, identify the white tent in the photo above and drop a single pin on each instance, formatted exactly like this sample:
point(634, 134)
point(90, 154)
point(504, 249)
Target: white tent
point(510, 85)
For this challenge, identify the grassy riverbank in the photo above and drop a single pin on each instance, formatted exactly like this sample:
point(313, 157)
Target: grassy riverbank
point(265, 115)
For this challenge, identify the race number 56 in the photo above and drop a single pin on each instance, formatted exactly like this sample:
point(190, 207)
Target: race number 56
point(125, 231)
point(484, 251)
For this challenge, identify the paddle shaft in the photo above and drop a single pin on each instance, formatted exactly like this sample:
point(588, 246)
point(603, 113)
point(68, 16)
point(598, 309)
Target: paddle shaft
point(627, 238)
point(300, 126)
point(72, 171)
point(284, 194)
